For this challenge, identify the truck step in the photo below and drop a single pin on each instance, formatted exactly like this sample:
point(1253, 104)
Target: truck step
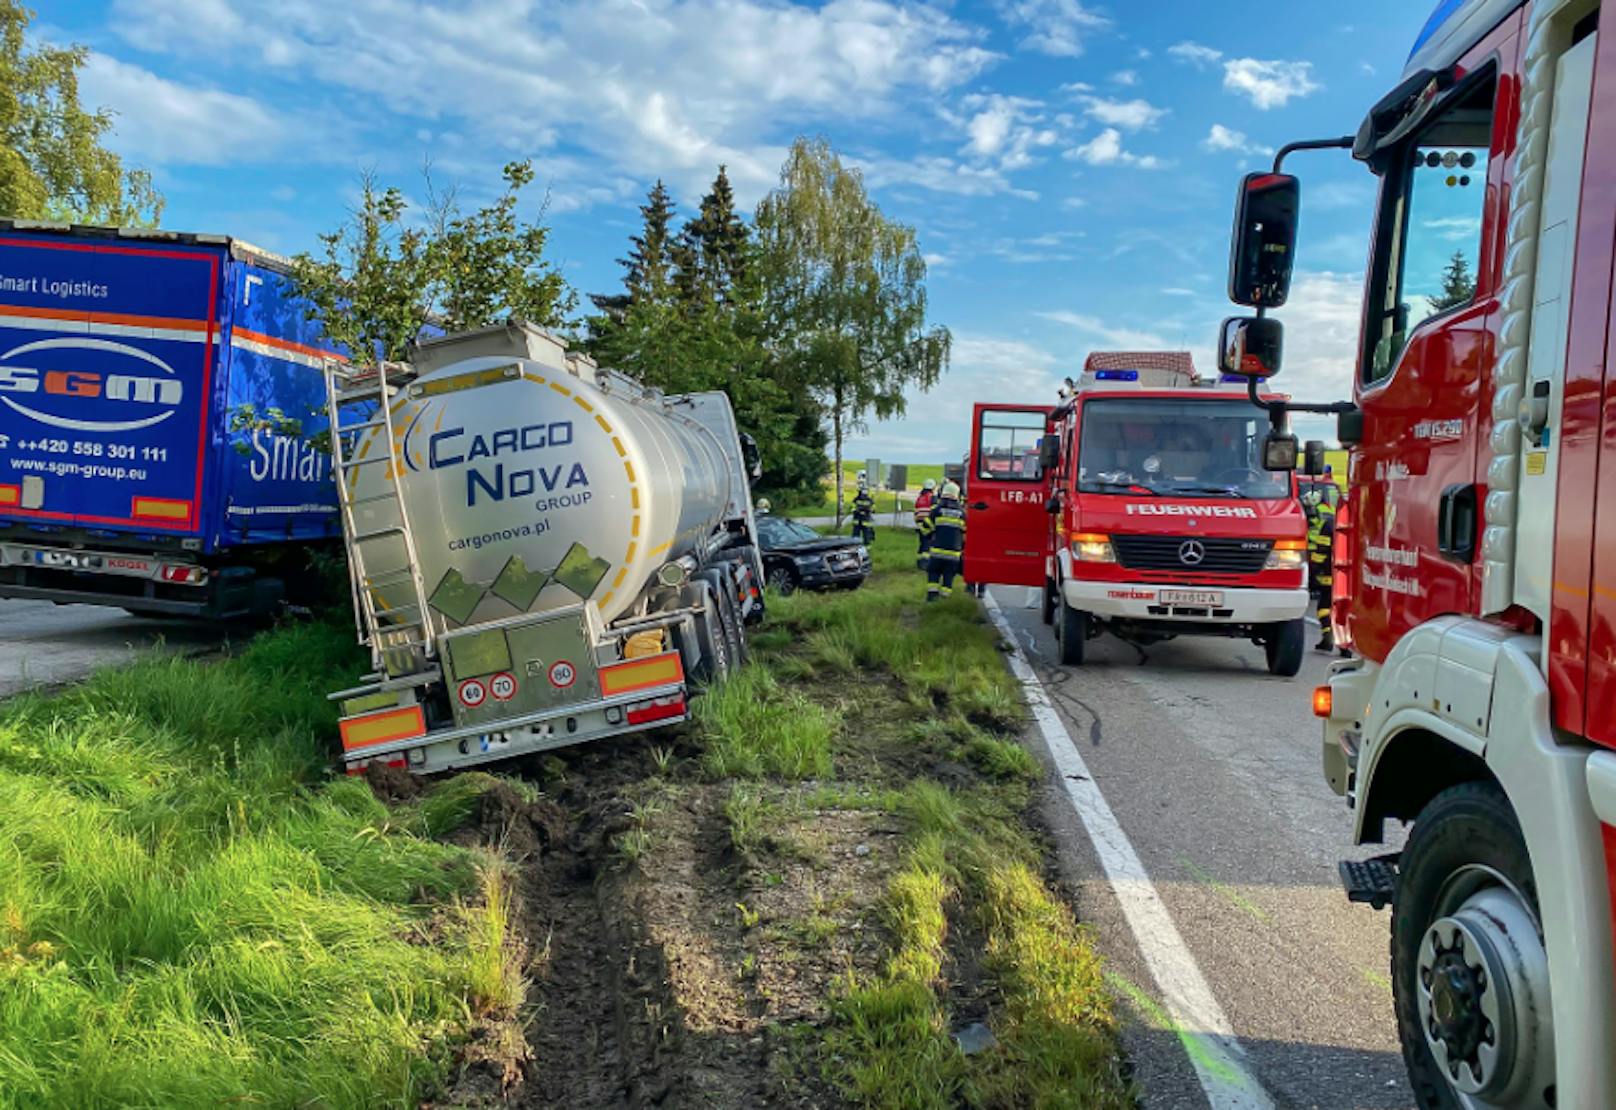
point(1371, 880)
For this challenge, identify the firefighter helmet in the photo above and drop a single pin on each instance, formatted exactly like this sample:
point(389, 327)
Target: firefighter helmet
point(929, 483)
point(951, 489)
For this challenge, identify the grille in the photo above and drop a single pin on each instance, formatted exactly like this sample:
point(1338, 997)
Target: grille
point(1222, 555)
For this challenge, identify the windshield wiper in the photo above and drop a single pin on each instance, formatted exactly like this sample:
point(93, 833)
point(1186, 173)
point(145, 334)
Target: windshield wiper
point(1220, 491)
point(1117, 487)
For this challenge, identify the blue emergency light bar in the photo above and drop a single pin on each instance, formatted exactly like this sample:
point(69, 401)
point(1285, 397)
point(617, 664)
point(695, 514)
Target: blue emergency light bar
point(1232, 379)
point(1116, 375)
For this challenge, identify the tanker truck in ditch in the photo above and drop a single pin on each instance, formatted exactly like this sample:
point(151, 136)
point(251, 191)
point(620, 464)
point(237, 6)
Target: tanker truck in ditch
point(542, 551)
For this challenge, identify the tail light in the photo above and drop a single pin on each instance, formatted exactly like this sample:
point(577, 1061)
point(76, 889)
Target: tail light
point(658, 709)
point(184, 574)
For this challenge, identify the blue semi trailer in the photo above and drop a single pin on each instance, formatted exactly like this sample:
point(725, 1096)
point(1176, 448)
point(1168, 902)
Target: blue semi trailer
point(161, 409)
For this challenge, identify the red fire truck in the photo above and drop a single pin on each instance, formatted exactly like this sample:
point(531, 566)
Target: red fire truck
point(1140, 505)
point(1476, 561)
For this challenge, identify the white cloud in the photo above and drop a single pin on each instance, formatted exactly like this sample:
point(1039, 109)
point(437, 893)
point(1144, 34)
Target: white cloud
point(1271, 84)
point(162, 122)
point(1456, 229)
point(646, 86)
point(939, 175)
point(1051, 246)
point(1195, 53)
point(1321, 321)
point(1130, 115)
point(981, 366)
point(1106, 149)
point(1122, 338)
point(1005, 130)
point(1126, 77)
point(1176, 291)
point(1055, 27)
point(1222, 138)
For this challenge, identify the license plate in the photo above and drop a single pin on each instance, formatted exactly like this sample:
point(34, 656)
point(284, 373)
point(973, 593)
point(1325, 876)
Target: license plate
point(1199, 599)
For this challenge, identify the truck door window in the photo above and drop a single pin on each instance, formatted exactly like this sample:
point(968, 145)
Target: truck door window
point(1007, 446)
point(1430, 227)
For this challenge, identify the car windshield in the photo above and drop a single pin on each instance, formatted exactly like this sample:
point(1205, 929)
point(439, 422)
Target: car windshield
point(780, 532)
point(1170, 447)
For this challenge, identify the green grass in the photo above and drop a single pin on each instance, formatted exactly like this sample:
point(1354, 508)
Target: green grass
point(967, 851)
point(191, 915)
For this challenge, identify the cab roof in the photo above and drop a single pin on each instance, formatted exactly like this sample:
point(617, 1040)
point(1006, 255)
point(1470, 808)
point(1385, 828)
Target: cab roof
point(1453, 28)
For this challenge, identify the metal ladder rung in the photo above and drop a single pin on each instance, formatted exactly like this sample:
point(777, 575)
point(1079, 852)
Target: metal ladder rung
point(344, 429)
point(350, 464)
point(411, 607)
point(356, 501)
point(388, 577)
point(379, 533)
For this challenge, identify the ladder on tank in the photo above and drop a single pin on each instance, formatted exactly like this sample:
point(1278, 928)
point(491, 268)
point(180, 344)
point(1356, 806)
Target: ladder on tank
point(384, 572)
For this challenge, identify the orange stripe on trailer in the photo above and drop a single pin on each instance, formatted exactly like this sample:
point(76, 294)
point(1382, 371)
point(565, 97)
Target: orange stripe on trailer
point(641, 674)
point(287, 345)
point(165, 323)
point(10, 495)
point(379, 727)
point(161, 508)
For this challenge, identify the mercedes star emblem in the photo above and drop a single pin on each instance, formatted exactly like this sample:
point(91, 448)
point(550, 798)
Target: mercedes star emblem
point(1192, 553)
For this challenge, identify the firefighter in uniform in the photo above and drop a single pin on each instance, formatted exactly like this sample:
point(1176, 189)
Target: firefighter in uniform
point(864, 510)
point(764, 508)
point(1320, 538)
point(923, 505)
point(947, 542)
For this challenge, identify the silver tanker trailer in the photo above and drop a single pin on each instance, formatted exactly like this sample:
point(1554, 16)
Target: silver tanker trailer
point(542, 551)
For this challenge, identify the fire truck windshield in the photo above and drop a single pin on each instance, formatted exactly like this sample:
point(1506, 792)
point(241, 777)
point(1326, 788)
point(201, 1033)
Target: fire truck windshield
point(1174, 448)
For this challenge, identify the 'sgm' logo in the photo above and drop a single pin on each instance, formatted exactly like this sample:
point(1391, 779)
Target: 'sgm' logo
point(130, 400)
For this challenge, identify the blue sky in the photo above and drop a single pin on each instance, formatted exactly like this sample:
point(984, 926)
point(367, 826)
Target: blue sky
point(1069, 164)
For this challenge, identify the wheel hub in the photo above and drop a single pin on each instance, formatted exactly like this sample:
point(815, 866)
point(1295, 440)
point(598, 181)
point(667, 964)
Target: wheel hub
point(1483, 996)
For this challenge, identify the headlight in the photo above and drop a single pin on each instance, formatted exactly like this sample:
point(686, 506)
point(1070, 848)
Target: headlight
point(809, 560)
point(1287, 555)
point(1093, 547)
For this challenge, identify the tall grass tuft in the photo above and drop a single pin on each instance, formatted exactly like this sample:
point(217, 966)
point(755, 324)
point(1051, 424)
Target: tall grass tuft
point(755, 726)
point(190, 914)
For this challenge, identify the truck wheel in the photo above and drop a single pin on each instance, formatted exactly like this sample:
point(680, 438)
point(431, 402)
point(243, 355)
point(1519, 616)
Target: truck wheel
point(782, 581)
point(734, 630)
point(1073, 633)
point(1051, 596)
point(1284, 645)
point(1470, 977)
point(710, 638)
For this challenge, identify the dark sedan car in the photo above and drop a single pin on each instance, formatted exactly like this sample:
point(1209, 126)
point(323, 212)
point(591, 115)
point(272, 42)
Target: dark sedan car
point(795, 556)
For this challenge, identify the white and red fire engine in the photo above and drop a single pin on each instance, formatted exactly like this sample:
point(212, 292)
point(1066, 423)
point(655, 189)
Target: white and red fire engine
point(1476, 561)
point(1140, 505)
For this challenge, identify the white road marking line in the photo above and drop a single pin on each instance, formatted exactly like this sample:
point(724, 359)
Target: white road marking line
point(1213, 1049)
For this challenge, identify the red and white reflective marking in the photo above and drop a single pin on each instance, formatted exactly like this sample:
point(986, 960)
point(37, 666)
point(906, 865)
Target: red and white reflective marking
point(562, 674)
point(502, 686)
point(472, 693)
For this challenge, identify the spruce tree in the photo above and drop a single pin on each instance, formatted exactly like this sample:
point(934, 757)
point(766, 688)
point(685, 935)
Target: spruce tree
point(1458, 286)
point(648, 267)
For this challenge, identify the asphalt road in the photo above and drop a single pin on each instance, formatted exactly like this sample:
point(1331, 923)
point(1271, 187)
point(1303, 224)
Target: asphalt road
point(1211, 767)
point(45, 645)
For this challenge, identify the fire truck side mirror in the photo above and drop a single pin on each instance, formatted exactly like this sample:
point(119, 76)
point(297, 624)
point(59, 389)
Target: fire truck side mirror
point(1264, 246)
point(1279, 451)
point(1049, 454)
point(1349, 427)
point(1251, 346)
point(1313, 458)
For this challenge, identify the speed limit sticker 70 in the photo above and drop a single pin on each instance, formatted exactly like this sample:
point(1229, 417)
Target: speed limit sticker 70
point(562, 674)
point(472, 693)
point(502, 686)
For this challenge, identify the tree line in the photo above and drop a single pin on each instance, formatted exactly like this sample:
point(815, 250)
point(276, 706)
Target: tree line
point(810, 313)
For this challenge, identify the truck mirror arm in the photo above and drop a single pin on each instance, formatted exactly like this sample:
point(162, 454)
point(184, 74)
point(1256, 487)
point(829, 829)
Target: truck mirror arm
point(1344, 142)
point(1277, 410)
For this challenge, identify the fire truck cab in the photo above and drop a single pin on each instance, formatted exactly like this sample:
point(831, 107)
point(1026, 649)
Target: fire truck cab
point(1476, 559)
point(1139, 506)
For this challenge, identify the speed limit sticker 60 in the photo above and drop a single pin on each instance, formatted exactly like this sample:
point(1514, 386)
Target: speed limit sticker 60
point(562, 674)
point(473, 693)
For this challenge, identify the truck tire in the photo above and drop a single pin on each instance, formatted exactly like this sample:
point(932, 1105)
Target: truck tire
point(711, 642)
point(1285, 645)
point(734, 627)
point(1466, 902)
point(1051, 597)
point(1073, 634)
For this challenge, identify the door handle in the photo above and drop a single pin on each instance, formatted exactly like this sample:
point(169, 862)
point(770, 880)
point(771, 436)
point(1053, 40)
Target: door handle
point(979, 505)
point(1456, 523)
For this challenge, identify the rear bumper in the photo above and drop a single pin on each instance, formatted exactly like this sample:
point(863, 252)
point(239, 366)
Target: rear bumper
point(1142, 602)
